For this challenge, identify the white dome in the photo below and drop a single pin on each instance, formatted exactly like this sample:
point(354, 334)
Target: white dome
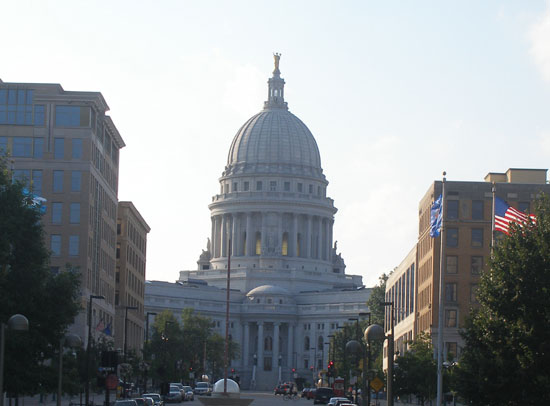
point(268, 290)
point(232, 386)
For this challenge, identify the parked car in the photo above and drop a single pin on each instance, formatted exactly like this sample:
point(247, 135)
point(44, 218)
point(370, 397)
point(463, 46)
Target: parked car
point(311, 393)
point(337, 401)
point(203, 388)
point(141, 401)
point(174, 395)
point(126, 402)
point(189, 395)
point(156, 398)
point(180, 387)
point(281, 389)
point(148, 401)
point(323, 395)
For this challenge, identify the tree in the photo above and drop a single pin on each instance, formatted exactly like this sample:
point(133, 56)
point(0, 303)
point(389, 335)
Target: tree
point(506, 359)
point(377, 296)
point(416, 370)
point(27, 286)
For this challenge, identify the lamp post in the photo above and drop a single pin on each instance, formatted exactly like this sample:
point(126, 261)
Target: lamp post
point(376, 333)
point(126, 308)
point(87, 374)
point(72, 340)
point(331, 357)
point(366, 365)
point(16, 322)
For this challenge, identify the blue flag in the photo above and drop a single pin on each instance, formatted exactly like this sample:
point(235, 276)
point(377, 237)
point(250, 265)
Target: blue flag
point(435, 217)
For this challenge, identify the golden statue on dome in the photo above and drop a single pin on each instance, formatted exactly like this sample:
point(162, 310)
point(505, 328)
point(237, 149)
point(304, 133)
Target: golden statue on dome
point(277, 58)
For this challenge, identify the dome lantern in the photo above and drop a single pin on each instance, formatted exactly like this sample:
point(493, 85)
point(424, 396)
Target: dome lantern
point(276, 88)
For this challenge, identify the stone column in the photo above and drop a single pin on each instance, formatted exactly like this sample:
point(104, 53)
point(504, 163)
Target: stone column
point(261, 345)
point(280, 233)
point(320, 239)
point(223, 236)
point(309, 238)
point(235, 236)
point(264, 232)
point(327, 241)
point(330, 228)
point(250, 237)
point(276, 348)
point(294, 243)
point(290, 355)
point(246, 343)
point(213, 244)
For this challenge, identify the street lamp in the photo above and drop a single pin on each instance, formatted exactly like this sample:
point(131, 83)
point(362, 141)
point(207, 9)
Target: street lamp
point(17, 322)
point(126, 308)
point(72, 340)
point(92, 297)
point(376, 333)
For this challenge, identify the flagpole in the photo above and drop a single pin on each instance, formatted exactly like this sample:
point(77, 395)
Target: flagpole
point(441, 287)
point(493, 190)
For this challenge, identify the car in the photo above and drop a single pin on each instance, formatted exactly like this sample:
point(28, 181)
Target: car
point(311, 393)
point(148, 401)
point(156, 398)
point(174, 395)
point(180, 387)
point(125, 402)
point(337, 401)
point(281, 389)
point(189, 395)
point(203, 388)
point(141, 401)
point(323, 395)
point(303, 394)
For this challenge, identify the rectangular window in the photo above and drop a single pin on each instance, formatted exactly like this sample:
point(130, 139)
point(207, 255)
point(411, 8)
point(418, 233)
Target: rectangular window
point(3, 144)
point(23, 176)
point(74, 217)
point(72, 116)
point(259, 185)
point(476, 265)
point(300, 187)
point(450, 318)
point(235, 187)
point(55, 245)
point(477, 237)
point(22, 147)
point(310, 189)
point(452, 209)
point(77, 148)
point(38, 148)
point(246, 186)
point(273, 186)
point(59, 148)
point(306, 364)
point(39, 115)
point(57, 211)
point(58, 181)
point(37, 182)
point(452, 237)
point(74, 241)
point(451, 353)
point(76, 181)
point(477, 209)
point(473, 293)
point(450, 292)
point(287, 186)
point(452, 264)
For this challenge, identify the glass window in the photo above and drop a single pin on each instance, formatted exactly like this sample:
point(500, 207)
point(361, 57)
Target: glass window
point(55, 245)
point(22, 147)
point(259, 185)
point(246, 186)
point(310, 189)
point(58, 181)
point(477, 237)
point(3, 144)
point(452, 237)
point(523, 207)
point(39, 115)
point(300, 187)
point(37, 182)
point(77, 148)
point(287, 186)
point(476, 265)
point(3, 96)
point(273, 186)
point(38, 150)
point(76, 181)
point(74, 213)
point(72, 116)
point(477, 209)
point(450, 292)
point(235, 187)
point(73, 245)
point(452, 209)
point(57, 211)
point(450, 318)
point(22, 175)
point(473, 293)
point(452, 264)
point(59, 148)
point(451, 353)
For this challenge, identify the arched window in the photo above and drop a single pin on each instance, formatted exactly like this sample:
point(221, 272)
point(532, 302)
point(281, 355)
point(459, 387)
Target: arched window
point(285, 245)
point(268, 344)
point(306, 343)
point(258, 243)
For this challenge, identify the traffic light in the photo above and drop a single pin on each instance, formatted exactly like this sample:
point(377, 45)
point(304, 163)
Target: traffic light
point(293, 369)
point(232, 370)
point(190, 369)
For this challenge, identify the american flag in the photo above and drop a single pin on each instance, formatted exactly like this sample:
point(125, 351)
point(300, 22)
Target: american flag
point(505, 215)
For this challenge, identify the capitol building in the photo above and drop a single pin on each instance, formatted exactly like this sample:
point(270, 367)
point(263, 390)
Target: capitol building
point(272, 223)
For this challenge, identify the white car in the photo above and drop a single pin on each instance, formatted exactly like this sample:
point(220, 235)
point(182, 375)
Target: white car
point(337, 400)
point(203, 388)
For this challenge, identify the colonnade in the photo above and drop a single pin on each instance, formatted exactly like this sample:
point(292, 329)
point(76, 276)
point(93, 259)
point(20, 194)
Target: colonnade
point(272, 233)
point(260, 353)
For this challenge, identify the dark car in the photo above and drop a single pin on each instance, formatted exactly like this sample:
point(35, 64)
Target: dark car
point(281, 389)
point(323, 395)
point(311, 393)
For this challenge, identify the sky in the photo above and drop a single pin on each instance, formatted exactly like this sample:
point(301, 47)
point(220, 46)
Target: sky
point(395, 93)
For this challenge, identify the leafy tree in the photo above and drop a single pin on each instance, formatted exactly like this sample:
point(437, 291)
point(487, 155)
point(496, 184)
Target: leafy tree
point(27, 286)
point(506, 360)
point(416, 370)
point(377, 296)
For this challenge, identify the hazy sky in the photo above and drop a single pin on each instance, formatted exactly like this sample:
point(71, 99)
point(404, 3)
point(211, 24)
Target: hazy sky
point(394, 93)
